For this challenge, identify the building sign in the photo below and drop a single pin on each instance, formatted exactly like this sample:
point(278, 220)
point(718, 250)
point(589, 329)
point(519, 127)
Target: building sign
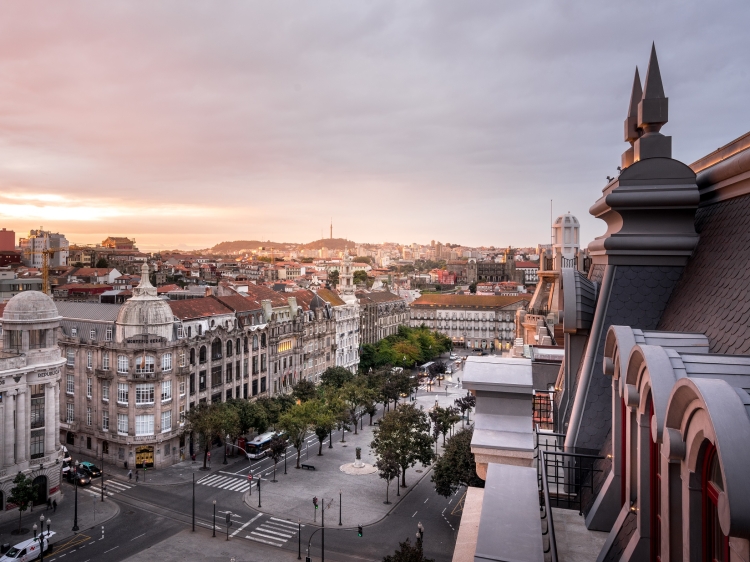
point(146, 339)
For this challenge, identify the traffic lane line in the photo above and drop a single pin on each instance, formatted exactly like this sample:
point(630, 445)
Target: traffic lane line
point(246, 524)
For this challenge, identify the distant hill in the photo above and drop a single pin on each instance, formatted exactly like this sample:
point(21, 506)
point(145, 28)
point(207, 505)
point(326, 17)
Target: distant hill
point(240, 245)
point(331, 244)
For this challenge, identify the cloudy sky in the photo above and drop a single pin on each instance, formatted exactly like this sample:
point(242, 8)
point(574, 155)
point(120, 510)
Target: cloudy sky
point(183, 124)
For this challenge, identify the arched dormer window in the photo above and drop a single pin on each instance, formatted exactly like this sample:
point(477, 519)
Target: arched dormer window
point(715, 543)
point(216, 349)
point(202, 354)
point(229, 348)
point(255, 343)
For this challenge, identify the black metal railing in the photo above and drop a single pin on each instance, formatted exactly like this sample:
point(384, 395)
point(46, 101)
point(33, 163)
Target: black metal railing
point(543, 413)
point(546, 515)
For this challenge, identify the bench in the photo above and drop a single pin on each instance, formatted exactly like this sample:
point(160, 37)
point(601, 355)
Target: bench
point(308, 467)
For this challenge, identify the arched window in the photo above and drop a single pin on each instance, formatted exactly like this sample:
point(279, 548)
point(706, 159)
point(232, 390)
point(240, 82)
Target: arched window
point(216, 349)
point(229, 348)
point(245, 344)
point(190, 331)
point(145, 364)
point(255, 343)
point(263, 340)
point(715, 543)
point(237, 347)
point(192, 356)
point(122, 364)
point(200, 329)
point(202, 354)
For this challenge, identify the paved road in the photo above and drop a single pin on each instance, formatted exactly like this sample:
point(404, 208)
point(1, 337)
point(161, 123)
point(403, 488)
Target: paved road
point(151, 514)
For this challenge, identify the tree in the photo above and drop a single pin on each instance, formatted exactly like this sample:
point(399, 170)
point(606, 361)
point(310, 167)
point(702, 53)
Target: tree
point(336, 377)
point(304, 390)
point(202, 422)
point(473, 288)
point(360, 277)
point(438, 288)
point(457, 467)
point(325, 421)
point(407, 553)
point(252, 415)
point(388, 469)
point(227, 423)
point(297, 422)
point(276, 448)
point(356, 394)
point(404, 432)
point(333, 277)
point(363, 259)
point(465, 404)
point(102, 262)
point(22, 494)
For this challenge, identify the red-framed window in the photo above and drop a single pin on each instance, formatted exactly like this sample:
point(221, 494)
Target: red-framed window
point(623, 450)
point(715, 543)
point(655, 478)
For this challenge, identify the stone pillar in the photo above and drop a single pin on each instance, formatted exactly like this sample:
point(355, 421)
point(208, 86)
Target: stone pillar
point(50, 423)
point(21, 427)
point(56, 387)
point(8, 434)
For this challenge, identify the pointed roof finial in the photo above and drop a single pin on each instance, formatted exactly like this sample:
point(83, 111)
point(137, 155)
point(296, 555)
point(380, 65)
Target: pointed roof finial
point(631, 122)
point(653, 88)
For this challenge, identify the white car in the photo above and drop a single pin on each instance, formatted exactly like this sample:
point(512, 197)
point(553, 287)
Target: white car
point(27, 550)
point(453, 356)
point(448, 371)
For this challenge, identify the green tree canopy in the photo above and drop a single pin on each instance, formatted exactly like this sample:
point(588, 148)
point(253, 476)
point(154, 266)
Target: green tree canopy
point(297, 423)
point(333, 277)
point(407, 348)
point(407, 553)
point(102, 262)
point(336, 377)
point(360, 277)
point(457, 466)
point(404, 432)
point(22, 494)
point(363, 259)
point(304, 390)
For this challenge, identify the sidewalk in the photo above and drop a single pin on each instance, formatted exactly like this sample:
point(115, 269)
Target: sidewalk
point(175, 474)
point(92, 512)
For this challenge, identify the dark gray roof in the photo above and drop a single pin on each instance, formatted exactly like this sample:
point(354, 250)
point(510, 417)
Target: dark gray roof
point(88, 310)
point(713, 295)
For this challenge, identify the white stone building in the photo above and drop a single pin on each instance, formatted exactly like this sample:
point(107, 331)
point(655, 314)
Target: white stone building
point(30, 370)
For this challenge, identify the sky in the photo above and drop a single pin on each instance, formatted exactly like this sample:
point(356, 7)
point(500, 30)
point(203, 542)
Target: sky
point(183, 124)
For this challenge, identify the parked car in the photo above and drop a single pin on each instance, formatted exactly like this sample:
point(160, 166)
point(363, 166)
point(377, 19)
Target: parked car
point(453, 356)
point(28, 549)
point(90, 468)
point(448, 371)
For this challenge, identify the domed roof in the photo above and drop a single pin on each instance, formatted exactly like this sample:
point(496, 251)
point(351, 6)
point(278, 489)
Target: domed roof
point(30, 306)
point(144, 312)
point(567, 220)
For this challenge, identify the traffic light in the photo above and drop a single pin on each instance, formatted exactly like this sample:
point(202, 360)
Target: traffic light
point(315, 501)
point(359, 530)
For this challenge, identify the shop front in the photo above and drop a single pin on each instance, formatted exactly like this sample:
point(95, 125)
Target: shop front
point(144, 456)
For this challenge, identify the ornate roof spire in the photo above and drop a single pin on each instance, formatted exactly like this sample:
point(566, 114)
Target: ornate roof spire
point(144, 288)
point(632, 132)
point(653, 113)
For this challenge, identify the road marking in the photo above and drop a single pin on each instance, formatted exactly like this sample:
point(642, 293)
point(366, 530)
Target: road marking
point(284, 521)
point(267, 529)
point(414, 514)
point(246, 524)
point(138, 537)
point(444, 510)
point(426, 500)
point(110, 550)
point(261, 540)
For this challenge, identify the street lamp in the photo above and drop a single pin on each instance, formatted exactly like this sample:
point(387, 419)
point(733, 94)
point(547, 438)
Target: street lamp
point(75, 511)
point(226, 440)
point(214, 533)
point(420, 535)
point(41, 535)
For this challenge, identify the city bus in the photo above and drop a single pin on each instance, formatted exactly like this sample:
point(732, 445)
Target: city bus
point(257, 448)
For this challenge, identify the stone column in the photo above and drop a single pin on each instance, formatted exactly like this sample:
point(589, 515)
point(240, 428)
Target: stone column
point(50, 423)
point(21, 426)
point(8, 433)
point(56, 387)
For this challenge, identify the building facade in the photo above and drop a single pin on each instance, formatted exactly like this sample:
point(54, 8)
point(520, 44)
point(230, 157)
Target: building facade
point(381, 313)
point(472, 321)
point(39, 240)
point(30, 371)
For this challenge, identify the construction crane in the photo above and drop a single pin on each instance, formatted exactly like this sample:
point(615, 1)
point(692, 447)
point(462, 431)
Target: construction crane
point(46, 255)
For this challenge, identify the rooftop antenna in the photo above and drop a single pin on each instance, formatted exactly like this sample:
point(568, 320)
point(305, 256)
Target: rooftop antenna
point(551, 225)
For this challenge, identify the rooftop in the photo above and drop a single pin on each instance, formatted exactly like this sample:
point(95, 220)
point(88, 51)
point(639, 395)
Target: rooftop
point(470, 301)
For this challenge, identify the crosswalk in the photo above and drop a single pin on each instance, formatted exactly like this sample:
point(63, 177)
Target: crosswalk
point(232, 483)
point(111, 487)
point(273, 531)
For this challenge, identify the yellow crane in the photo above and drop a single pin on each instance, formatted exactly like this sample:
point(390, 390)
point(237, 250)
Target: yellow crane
point(46, 255)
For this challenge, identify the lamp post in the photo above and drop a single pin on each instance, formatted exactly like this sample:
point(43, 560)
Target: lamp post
point(420, 535)
point(299, 539)
point(214, 532)
point(75, 511)
point(339, 507)
point(226, 439)
point(193, 502)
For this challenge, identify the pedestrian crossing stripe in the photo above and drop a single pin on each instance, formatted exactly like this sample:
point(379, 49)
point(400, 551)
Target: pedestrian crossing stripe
point(111, 488)
point(226, 483)
point(275, 532)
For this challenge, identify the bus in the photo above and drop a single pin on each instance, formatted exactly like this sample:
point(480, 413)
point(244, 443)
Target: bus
point(257, 448)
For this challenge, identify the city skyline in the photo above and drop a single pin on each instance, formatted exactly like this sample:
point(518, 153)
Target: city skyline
point(256, 121)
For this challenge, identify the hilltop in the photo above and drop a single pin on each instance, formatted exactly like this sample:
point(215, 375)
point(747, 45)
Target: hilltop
point(243, 246)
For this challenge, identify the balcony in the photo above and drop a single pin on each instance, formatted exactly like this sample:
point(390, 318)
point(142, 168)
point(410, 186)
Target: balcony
point(109, 374)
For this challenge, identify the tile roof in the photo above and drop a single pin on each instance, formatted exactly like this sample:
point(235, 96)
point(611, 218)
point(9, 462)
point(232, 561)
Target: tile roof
point(378, 296)
point(98, 271)
point(470, 301)
point(88, 310)
point(527, 264)
point(713, 294)
point(260, 293)
point(198, 308)
point(330, 297)
point(239, 303)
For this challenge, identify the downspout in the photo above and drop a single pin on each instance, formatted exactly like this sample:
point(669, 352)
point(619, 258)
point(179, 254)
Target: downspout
point(571, 435)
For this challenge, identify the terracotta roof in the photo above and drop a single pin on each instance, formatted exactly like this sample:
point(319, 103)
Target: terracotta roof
point(260, 293)
point(330, 297)
point(198, 308)
point(239, 303)
point(88, 271)
point(527, 264)
point(470, 301)
point(304, 298)
point(87, 286)
point(167, 288)
point(378, 296)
